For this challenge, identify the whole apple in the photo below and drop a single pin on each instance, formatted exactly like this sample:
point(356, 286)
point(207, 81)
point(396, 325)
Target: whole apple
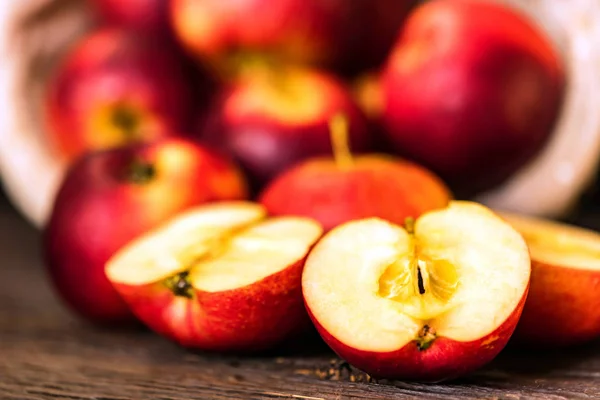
point(307, 31)
point(110, 197)
point(271, 118)
point(472, 90)
point(148, 17)
point(335, 190)
point(114, 88)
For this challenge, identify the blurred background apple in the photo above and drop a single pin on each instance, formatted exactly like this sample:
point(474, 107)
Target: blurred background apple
point(341, 188)
point(270, 118)
point(147, 17)
point(116, 88)
point(307, 31)
point(471, 90)
point(110, 197)
point(348, 36)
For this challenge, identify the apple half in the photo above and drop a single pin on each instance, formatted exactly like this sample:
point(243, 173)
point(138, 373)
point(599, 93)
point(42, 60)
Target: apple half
point(222, 277)
point(430, 301)
point(563, 307)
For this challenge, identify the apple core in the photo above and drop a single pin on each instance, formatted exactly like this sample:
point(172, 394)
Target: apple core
point(180, 284)
point(421, 284)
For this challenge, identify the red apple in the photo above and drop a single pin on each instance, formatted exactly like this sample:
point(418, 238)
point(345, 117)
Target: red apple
point(116, 88)
point(337, 190)
point(471, 90)
point(112, 196)
point(308, 31)
point(272, 118)
point(563, 304)
point(428, 302)
point(219, 277)
point(148, 17)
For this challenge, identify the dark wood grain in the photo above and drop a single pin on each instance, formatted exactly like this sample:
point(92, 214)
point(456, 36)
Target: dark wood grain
point(45, 353)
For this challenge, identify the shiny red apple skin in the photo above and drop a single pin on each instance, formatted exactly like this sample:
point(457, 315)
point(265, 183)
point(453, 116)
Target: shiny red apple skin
point(374, 186)
point(445, 360)
point(247, 319)
point(307, 31)
point(99, 209)
point(561, 309)
point(472, 90)
point(267, 142)
point(112, 70)
point(148, 17)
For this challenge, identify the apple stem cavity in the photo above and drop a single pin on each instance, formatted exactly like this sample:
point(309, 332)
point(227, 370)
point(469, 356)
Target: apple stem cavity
point(141, 172)
point(180, 285)
point(338, 128)
point(426, 338)
point(127, 120)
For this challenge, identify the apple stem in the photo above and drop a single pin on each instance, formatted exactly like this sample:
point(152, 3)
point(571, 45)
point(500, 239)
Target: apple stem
point(141, 172)
point(338, 128)
point(409, 225)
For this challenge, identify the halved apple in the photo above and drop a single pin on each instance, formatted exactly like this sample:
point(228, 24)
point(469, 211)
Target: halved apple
point(222, 277)
point(563, 307)
point(430, 301)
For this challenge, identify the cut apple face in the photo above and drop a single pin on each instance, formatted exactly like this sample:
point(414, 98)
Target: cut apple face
point(558, 244)
point(183, 242)
point(218, 277)
point(217, 248)
point(456, 274)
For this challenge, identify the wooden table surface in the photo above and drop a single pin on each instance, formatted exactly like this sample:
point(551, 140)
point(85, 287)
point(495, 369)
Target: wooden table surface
point(45, 353)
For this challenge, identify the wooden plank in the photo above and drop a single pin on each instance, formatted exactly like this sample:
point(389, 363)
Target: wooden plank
point(47, 353)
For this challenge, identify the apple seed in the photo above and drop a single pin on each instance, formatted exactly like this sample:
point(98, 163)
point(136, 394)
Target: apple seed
point(420, 281)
